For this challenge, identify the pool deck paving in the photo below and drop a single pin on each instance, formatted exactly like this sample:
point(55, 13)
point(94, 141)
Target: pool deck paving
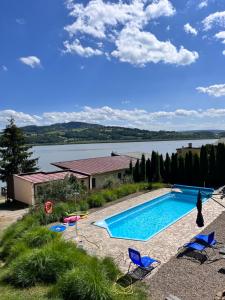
point(163, 246)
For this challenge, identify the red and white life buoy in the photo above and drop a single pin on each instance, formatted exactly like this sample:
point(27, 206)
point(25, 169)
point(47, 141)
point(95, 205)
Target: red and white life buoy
point(48, 207)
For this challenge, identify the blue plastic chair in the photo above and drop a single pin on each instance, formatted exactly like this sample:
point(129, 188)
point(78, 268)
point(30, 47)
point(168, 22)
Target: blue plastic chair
point(207, 239)
point(143, 262)
point(196, 247)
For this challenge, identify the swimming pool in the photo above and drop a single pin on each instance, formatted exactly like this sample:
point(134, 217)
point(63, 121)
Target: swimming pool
point(143, 221)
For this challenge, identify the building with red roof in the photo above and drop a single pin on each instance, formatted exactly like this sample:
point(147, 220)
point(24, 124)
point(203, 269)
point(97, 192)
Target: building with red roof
point(91, 172)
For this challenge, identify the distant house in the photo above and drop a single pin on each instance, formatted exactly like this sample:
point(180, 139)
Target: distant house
point(25, 185)
point(99, 169)
point(91, 172)
point(184, 150)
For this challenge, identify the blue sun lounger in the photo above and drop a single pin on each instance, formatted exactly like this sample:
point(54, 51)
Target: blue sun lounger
point(144, 262)
point(207, 239)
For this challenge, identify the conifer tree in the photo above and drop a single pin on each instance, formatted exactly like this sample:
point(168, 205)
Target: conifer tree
point(148, 170)
point(162, 167)
point(143, 168)
point(188, 168)
point(212, 166)
point(174, 168)
point(15, 156)
point(167, 165)
point(155, 166)
point(181, 170)
point(220, 163)
point(136, 172)
point(203, 165)
point(196, 170)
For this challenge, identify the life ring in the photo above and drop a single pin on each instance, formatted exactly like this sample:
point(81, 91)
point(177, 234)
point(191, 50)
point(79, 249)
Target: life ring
point(48, 207)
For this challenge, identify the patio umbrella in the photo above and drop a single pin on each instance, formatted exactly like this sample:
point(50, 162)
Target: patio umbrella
point(199, 220)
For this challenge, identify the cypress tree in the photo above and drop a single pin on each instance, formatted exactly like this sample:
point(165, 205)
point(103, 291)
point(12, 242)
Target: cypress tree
point(130, 168)
point(142, 168)
point(188, 168)
point(136, 172)
point(196, 170)
point(155, 166)
point(148, 170)
point(15, 156)
point(167, 165)
point(212, 166)
point(220, 163)
point(181, 170)
point(203, 165)
point(174, 168)
point(162, 167)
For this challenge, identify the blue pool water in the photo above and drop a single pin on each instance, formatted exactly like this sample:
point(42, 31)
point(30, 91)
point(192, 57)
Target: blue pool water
point(145, 220)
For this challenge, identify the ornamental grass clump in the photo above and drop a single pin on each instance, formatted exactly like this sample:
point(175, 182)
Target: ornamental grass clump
point(96, 200)
point(44, 265)
point(85, 282)
point(15, 232)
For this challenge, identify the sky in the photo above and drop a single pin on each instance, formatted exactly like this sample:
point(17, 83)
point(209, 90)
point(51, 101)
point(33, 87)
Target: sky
point(149, 64)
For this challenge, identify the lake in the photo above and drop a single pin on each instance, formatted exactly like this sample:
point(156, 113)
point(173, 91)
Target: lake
point(54, 153)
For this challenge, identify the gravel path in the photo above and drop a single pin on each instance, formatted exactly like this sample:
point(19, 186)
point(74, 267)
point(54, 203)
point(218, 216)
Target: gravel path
point(191, 280)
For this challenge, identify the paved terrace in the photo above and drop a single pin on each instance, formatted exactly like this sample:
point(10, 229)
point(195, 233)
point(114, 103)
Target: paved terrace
point(164, 245)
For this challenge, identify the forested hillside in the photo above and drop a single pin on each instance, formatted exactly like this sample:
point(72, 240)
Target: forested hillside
point(78, 132)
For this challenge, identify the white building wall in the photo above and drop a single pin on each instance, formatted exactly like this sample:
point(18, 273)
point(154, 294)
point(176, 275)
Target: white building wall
point(100, 179)
point(23, 190)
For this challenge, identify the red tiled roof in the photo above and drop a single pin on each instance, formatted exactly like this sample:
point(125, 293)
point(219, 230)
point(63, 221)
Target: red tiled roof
point(97, 165)
point(41, 177)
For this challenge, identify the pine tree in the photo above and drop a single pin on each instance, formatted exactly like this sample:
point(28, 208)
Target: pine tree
point(167, 165)
point(148, 170)
point(14, 153)
point(142, 168)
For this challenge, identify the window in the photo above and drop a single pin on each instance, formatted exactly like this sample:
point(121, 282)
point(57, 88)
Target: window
point(82, 182)
point(119, 175)
point(93, 182)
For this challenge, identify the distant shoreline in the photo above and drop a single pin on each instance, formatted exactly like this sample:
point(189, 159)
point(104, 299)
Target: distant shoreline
point(120, 141)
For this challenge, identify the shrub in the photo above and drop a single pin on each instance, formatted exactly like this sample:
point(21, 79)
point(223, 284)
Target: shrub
point(16, 231)
point(111, 270)
point(45, 264)
point(109, 195)
point(111, 182)
point(85, 283)
point(96, 200)
point(38, 237)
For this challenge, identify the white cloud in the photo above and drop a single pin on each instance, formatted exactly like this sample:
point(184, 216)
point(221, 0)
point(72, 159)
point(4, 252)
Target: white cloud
point(220, 36)
point(217, 18)
point(98, 17)
point(178, 119)
point(189, 29)
point(140, 47)
point(223, 52)
point(113, 22)
point(203, 4)
point(216, 90)
point(31, 61)
point(21, 118)
point(4, 68)
point(77, 48)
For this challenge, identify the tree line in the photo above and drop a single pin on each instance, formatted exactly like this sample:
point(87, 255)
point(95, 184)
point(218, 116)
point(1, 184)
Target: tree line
point(206, 169)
